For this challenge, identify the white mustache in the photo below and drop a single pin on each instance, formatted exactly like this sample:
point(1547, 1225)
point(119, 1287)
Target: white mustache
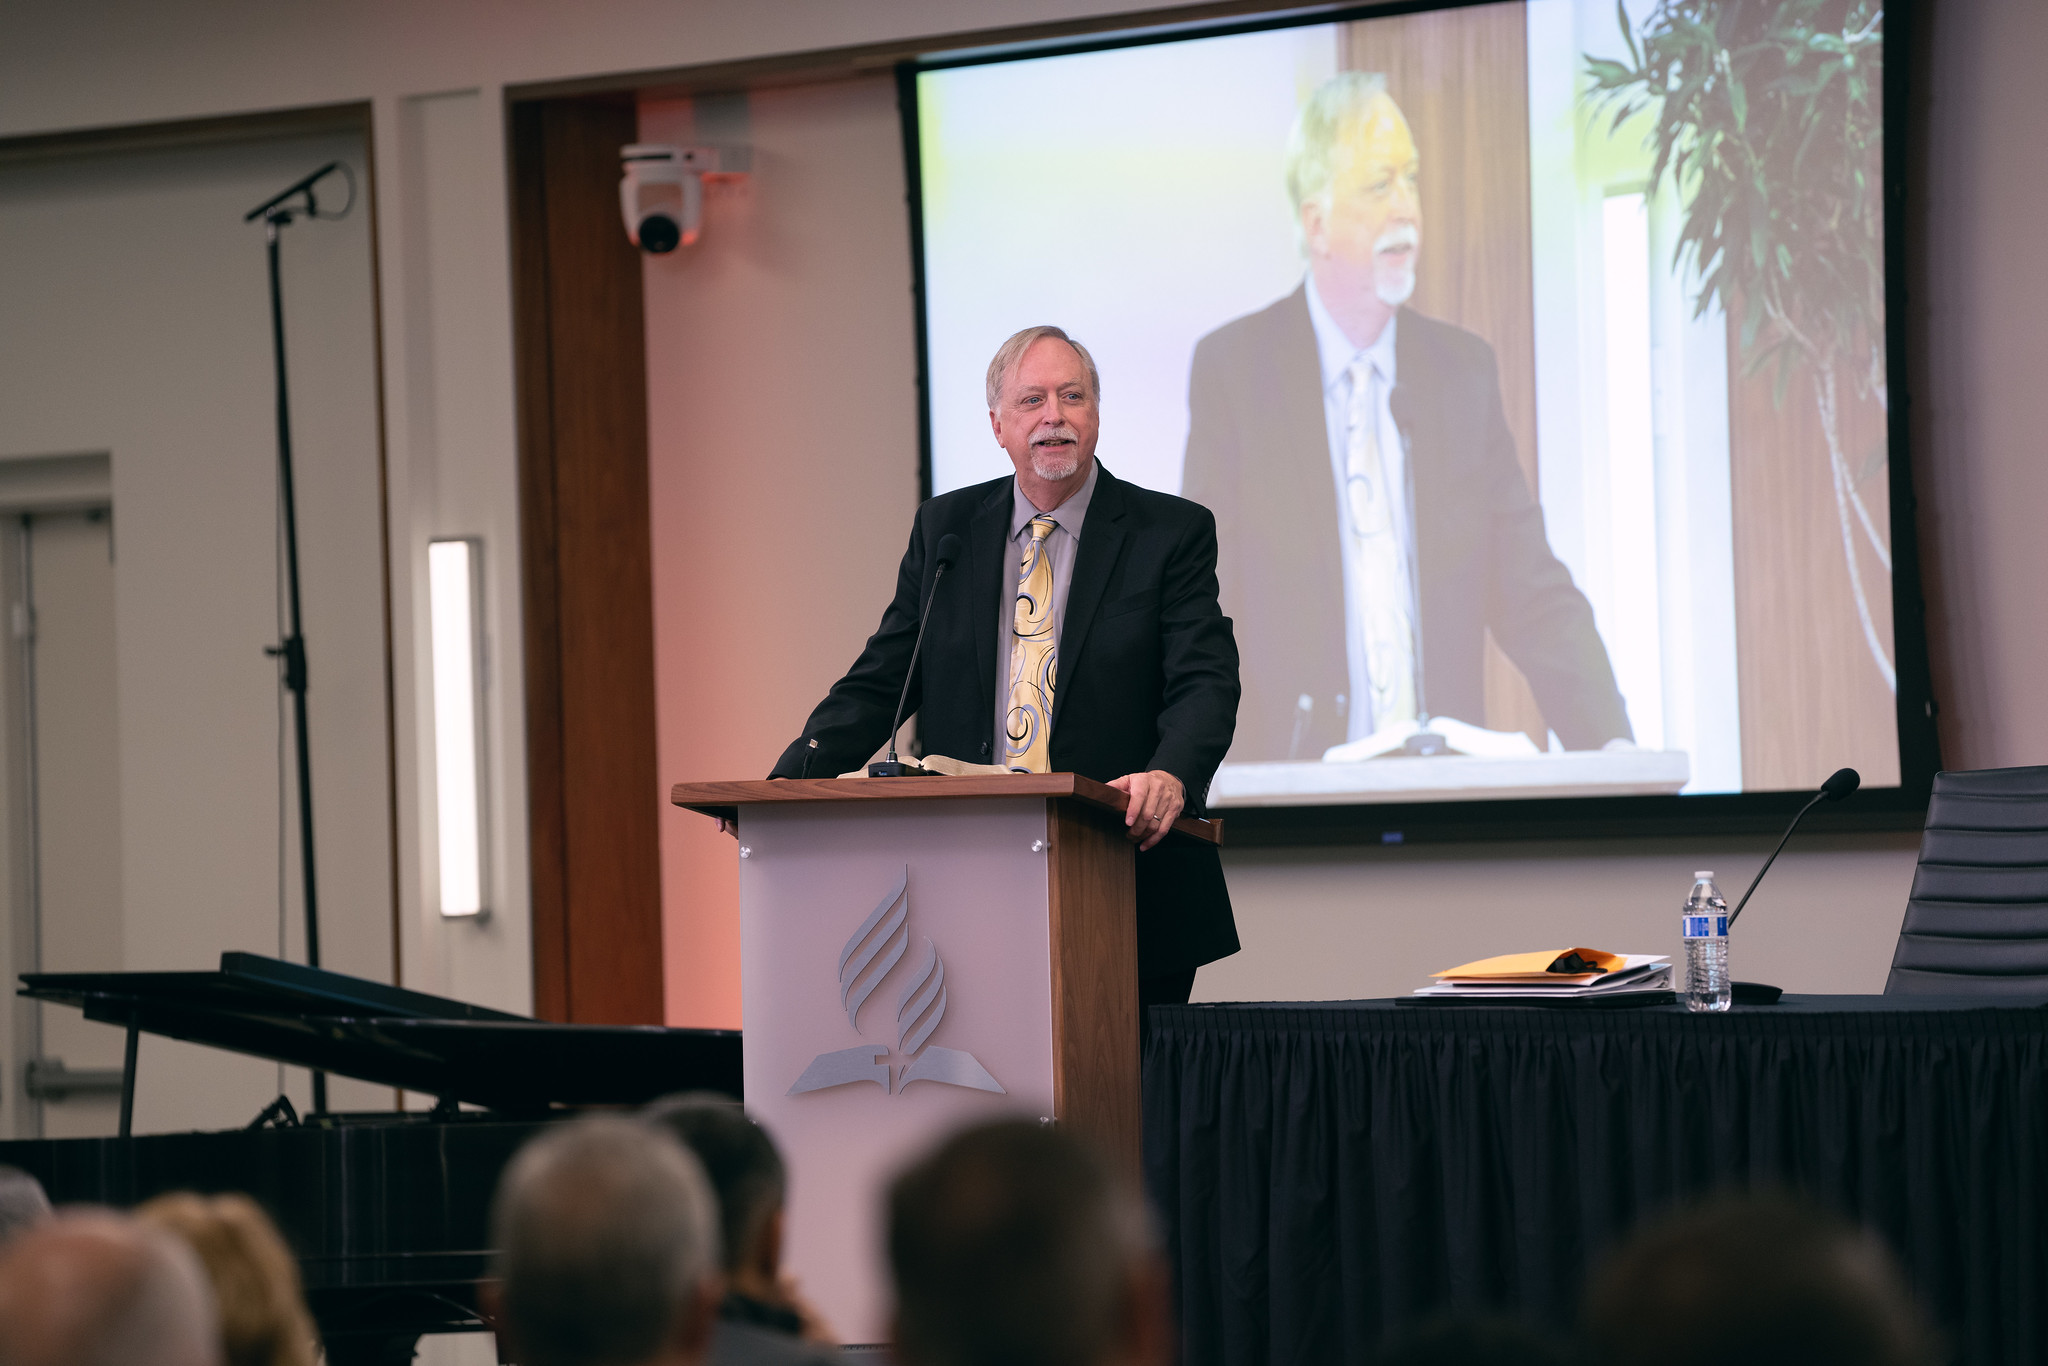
point(1060, 433)
point(1398, 236)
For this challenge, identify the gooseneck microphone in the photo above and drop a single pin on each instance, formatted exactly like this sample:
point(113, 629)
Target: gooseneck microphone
point(892, 767)
point(1840, 784)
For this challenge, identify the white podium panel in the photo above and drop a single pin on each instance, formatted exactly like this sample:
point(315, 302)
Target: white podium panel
point(896, 984)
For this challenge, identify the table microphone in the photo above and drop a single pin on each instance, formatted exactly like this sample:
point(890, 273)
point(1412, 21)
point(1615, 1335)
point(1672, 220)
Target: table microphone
point(1839, 785)
point(892, 767)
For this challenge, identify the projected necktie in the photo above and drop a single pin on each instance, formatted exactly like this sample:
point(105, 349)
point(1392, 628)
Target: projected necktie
point(1380, 593)
point(1025, 740)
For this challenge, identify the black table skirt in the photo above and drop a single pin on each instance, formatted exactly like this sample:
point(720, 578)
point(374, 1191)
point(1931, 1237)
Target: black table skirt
point(1328, 1174)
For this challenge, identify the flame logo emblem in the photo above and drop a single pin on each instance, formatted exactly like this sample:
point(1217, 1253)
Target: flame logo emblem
point(872, 952)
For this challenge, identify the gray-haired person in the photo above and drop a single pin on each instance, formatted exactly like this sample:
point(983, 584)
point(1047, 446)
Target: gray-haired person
point(23, 1205)
point(607, 1238)
point(1080, 635)
point(1016, 1244)
point(95, 1288)
point(1373, 522)
point(761, 1322)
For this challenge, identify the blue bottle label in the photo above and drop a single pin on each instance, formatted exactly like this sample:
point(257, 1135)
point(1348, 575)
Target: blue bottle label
point(1706, 926)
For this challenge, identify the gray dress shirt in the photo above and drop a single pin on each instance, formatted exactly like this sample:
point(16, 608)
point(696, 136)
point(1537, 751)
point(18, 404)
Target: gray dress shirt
point(1060, 547)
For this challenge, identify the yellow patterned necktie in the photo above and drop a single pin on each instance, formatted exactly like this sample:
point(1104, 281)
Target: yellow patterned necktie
point(1027, 734)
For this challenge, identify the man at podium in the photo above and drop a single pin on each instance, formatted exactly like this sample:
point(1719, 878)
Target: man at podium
point(1078, 632)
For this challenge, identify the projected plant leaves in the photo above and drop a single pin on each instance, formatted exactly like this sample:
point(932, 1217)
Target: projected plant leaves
point(1768, 122)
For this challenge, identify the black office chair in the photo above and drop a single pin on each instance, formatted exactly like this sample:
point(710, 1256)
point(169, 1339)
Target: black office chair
point(1977, 922)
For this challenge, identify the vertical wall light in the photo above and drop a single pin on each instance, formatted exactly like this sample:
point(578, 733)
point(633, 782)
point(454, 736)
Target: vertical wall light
point(458, 709)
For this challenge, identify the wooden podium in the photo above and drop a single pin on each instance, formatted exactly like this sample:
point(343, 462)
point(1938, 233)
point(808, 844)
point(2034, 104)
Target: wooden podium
point(917, 954)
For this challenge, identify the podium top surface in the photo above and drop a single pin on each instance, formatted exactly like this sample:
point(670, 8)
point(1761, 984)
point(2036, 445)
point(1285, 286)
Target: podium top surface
point(724, 800)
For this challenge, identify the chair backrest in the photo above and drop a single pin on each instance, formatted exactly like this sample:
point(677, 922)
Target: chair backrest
point(1977, 923)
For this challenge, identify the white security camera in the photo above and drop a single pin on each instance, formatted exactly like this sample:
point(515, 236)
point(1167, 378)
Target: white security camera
point(661, 195)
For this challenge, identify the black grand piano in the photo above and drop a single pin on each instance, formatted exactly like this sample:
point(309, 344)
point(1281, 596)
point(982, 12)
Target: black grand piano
point(388, 1211)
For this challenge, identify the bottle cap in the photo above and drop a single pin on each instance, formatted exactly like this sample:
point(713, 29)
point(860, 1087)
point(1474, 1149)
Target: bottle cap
point(1706, 875)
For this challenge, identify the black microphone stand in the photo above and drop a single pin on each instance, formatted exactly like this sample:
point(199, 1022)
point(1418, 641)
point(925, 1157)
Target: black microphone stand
point(1840, 784)
point(277, 213)
point(892, 767)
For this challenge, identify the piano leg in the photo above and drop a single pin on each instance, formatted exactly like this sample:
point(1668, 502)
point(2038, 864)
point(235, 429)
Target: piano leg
point(128, 1078)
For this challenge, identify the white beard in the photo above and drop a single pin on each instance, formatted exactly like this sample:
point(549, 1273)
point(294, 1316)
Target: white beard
point(1053, 468)
point(1395, 292)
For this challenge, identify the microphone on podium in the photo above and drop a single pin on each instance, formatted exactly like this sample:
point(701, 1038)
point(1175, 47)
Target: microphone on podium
point(1840, 784)
point(892, 767)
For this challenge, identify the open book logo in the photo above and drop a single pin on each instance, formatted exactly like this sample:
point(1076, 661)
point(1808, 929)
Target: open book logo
point(873, 952)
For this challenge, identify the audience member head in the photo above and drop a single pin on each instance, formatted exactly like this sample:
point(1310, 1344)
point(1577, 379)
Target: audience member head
point(263, 1318)
point(1015, 1244)
point(1473, 1341)
point(94, 1288)
point(23, 1205)
point(747, 1177)
point(1766, 1281)
point(607, 1240)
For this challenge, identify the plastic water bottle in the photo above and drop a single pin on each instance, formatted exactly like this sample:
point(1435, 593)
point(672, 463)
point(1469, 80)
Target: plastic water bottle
point(1705, 926)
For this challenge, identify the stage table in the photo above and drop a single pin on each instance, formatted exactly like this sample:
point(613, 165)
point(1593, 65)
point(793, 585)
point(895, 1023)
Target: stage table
point(1329, 1173)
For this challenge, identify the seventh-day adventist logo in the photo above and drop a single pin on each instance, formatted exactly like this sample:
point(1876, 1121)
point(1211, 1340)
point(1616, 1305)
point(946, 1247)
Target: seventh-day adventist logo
point(873, 952)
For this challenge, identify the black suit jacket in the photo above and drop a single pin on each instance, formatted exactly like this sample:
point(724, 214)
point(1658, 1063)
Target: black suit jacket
point(1147, 677)
point(1259, 454)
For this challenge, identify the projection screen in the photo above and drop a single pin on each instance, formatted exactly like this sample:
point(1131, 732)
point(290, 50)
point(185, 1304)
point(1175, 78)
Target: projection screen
point(1532, 357)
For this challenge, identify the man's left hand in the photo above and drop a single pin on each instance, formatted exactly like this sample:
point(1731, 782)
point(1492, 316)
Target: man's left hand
point(1157, 799)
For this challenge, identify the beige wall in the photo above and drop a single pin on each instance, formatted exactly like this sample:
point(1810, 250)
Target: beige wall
point(134, 320)
point(782, 426)
point(435, 73)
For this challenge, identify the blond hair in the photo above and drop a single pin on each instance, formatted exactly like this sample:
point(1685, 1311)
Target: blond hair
point(1311, 163)
point(1010, 352)
point(263, 1318)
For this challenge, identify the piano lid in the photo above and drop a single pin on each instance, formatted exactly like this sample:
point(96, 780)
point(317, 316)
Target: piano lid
point(389, 1036)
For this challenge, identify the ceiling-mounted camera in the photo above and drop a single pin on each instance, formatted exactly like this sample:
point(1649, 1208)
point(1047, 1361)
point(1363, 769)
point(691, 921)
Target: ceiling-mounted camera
point(662, 192)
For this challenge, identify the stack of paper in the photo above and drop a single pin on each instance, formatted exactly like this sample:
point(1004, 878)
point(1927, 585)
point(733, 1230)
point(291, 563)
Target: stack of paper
point(1554, 974)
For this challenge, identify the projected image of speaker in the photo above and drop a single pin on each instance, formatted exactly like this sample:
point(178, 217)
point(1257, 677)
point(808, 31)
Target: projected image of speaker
point(1530, 480)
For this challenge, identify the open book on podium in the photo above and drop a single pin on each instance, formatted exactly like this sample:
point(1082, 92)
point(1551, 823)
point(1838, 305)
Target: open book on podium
point(918, 953)
point(939, 766)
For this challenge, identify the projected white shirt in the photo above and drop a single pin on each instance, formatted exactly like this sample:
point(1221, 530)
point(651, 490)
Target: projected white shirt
point(1368, 631)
